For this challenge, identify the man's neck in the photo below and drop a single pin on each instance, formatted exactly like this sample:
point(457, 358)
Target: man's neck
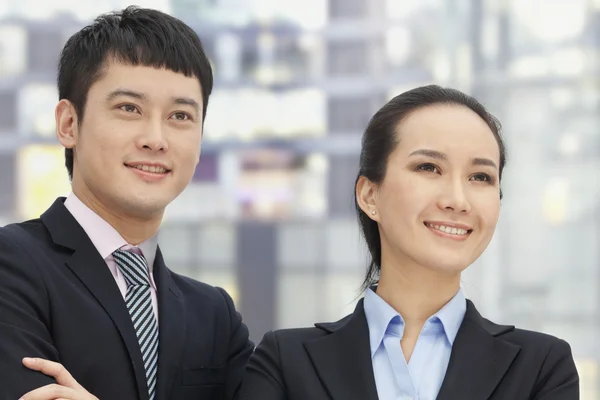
point(134, 230)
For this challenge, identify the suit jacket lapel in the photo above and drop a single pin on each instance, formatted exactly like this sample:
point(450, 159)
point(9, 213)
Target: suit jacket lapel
point(171, 315)
point(342, 359)
point(479, 359)
point(87, 264)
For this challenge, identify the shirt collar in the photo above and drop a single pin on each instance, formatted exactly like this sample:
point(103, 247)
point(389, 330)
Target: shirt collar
point(452, 315)
point(103, 236)
point(380, 314)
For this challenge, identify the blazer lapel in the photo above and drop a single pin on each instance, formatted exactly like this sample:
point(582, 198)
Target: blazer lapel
point(478, 360)
point(171, 321)
point(87, 264)
point(342, 359)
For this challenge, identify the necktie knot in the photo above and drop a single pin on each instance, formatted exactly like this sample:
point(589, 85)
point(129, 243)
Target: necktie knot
point(133, 267)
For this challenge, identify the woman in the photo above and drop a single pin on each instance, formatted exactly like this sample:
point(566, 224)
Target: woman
point(428, 199)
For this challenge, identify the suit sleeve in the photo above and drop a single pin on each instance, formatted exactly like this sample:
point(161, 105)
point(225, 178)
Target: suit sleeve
point(558, 378)
point(240, 349)
point(263, 379)
point(24, 312)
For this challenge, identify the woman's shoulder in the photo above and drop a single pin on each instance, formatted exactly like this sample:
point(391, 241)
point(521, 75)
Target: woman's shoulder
point(299, 336)
point(531, 341)
point(296, 335)
point(306, 333)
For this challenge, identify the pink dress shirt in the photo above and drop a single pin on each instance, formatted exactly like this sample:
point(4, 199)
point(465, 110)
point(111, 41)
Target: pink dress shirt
point(107, 240)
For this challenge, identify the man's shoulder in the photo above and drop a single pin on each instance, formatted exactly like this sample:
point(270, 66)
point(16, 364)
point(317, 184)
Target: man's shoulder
point(193, 288)
point(24, 249)
point(24, 233)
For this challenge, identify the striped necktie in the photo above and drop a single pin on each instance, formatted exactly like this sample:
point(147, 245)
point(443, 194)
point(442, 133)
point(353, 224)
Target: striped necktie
point(139, 303)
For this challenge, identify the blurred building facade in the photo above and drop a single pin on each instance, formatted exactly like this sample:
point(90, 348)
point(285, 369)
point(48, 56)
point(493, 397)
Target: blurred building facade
point(269, 215)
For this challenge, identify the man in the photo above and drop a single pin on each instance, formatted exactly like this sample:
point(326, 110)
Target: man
point(85, 285)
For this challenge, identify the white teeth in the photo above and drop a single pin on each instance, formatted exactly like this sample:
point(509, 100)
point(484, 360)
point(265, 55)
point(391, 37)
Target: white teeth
point(148, 168)
point(448, 229)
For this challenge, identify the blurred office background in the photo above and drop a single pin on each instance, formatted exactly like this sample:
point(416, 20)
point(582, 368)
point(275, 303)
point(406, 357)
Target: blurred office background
point(269, 215)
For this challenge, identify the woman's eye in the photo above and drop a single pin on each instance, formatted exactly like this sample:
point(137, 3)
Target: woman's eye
point(429, 167)
point(482, 177)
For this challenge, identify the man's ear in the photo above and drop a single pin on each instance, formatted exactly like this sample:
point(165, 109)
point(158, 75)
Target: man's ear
point(67, 124)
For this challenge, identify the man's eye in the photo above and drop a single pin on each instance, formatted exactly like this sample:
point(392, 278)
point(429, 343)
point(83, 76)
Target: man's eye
point(128, 108)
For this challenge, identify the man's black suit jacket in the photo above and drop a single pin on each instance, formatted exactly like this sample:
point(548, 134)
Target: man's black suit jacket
point(59, 301)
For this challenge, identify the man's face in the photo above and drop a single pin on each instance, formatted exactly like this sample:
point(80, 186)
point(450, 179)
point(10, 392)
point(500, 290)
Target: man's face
point(138, 144)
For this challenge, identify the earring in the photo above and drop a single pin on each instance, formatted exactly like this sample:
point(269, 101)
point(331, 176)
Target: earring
point(373, 212)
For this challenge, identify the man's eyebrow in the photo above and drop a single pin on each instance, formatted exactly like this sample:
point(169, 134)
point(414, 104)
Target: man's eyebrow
point(125, 92)
point(187, 101)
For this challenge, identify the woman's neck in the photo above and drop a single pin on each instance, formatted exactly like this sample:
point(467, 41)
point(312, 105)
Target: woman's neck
point(416, 293)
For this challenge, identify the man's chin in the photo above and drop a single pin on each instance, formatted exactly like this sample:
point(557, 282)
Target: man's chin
point(145, 207)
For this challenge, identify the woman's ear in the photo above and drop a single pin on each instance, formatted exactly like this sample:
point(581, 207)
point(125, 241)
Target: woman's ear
point(366, 197)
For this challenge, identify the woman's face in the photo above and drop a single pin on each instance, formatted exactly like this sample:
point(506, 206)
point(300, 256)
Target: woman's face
point(439, 202)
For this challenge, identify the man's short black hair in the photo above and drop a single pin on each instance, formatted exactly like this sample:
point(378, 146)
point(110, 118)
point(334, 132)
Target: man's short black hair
point(133, 36)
